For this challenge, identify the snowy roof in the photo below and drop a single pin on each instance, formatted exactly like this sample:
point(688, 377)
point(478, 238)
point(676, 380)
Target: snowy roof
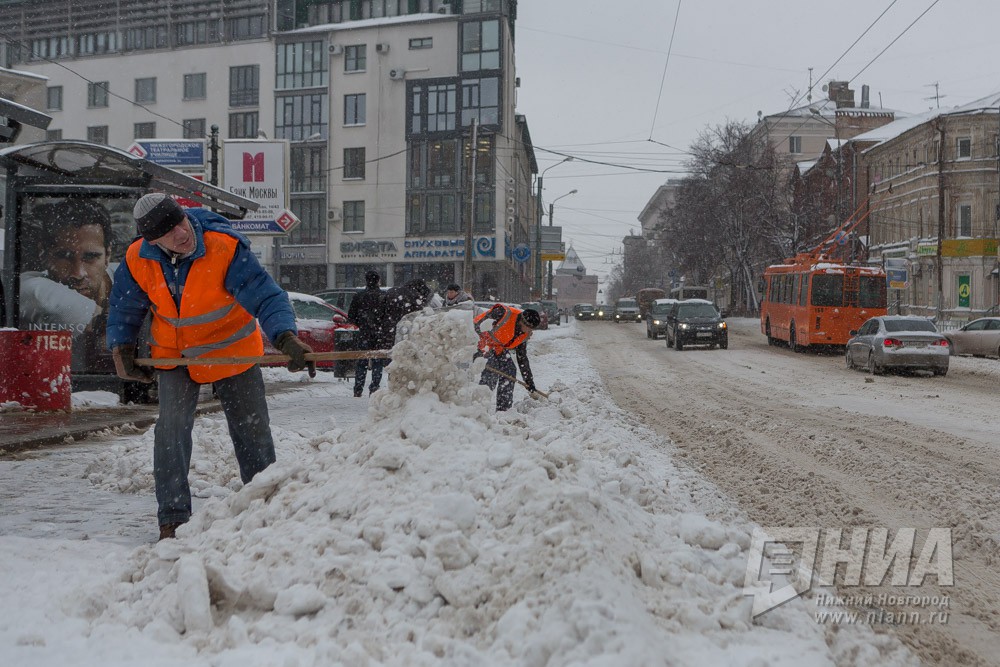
point(370, 23)
point(572, 263)
point(987, 104)
point(805, 165)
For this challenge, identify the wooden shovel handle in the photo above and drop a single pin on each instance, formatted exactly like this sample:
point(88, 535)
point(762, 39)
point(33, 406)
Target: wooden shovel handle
point(266, 358)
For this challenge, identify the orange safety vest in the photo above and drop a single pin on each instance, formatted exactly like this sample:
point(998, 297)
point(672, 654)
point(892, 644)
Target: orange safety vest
point(210, 323)
point(503, 336)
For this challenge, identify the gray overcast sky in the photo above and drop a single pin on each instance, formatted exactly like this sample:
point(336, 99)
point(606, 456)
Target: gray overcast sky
point(591, 74)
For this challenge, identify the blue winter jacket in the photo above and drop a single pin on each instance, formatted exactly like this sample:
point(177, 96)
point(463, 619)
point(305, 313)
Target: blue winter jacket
point(246, 280)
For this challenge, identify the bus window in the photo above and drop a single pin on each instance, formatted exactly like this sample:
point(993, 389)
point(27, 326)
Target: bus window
point(872, 292)
point(804, 291)
point(797, 282)
point(828, 290)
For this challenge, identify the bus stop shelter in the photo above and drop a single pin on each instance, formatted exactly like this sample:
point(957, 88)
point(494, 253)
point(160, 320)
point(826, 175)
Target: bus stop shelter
point(36, 180)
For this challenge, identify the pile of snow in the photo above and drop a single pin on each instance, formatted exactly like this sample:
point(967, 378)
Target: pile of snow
point(438, 532)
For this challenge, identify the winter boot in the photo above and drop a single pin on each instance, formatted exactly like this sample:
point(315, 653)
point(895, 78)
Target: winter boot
point(167, 531)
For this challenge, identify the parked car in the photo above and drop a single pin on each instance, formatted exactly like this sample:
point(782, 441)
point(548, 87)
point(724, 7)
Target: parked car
point(535, 305)
point(627, 310)
point(552, 310)
point(898, 342)
point(696, 322)
point(317, 321)
point(340, 297)
point(584, 311)
point(602, 312)
point(656, 318)
point(979, 338)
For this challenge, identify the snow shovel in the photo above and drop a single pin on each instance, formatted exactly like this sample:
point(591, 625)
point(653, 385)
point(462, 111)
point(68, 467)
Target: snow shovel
point(266, 358)
point(509, 377)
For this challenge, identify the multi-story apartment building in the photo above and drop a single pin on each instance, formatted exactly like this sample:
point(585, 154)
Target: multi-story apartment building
point(936, 205)
point(378, 99)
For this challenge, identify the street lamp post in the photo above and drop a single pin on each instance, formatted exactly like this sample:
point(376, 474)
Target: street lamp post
point(552, 205)
point(538, 226)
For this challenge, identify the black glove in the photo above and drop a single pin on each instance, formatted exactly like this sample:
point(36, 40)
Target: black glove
point(124, 356)
point(531, 388)
point(293, 346)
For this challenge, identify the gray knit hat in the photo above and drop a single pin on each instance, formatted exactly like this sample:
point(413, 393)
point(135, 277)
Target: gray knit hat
point(156, 214)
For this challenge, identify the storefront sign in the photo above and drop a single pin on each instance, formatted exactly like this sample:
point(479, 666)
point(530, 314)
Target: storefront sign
point(968, 247)
point(964, 291)
point(258, 170)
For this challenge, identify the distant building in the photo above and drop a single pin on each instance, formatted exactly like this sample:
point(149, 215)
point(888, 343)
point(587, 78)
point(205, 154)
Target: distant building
point(376, 97)
point(571, 284)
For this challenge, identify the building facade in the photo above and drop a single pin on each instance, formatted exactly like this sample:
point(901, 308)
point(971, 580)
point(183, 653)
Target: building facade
point(400, 115)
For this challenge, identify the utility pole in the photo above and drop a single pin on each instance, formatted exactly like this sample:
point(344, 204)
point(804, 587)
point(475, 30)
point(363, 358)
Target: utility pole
point(939, 262)
point(467, 256)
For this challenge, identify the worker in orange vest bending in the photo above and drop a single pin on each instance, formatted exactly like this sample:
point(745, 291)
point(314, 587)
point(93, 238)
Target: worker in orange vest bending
point(207, 293)
point(511, 330)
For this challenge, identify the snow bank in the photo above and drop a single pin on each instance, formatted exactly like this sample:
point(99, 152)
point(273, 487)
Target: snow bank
point(438, 532)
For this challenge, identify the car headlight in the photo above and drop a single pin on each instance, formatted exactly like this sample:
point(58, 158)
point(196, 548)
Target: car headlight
point(684, 326)
point(656, 322)
point(722, 325)
point(600, 313)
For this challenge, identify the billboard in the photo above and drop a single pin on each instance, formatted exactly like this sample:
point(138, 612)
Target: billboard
point(258, 170)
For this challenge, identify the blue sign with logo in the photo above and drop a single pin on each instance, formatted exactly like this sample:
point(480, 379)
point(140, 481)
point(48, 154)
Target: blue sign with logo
point(521, 253)
point(171, 152)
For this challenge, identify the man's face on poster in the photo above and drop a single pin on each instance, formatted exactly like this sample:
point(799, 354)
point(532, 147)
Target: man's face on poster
point(78, 259)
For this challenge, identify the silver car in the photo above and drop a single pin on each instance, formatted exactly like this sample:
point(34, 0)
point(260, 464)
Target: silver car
point(898, 342)
point(979, 337)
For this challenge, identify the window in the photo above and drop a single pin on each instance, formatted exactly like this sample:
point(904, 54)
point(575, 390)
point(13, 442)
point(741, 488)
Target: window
point(194, 128)
point(421, 43)
point(97, 134)
point(430, 212)
point(197, 32)
point(307, 169)
point(354, 163)
point(794, 144)
point(478, 6)
point(53, 135)
point(354, 216)
point(354, 109)
point(828, 290)
point(97, 95)
point(145, 90)
point(480, 45)
point(481, 99)
point(243, 125)
point(355, 58)
point(53, 98)
point(195, 87)
point(144, 131)
point(153, 37)
point(301, 117)
point(434, 107)
point(96, 42)
point(246, 27)
point(244, 86)
point(301, 65)
point(965, 220)
point(311, 212)
point(964, 147)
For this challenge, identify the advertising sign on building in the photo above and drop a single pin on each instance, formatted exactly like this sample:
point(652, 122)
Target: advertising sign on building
point(171, 152)
point(258, 170)
point(897, 272)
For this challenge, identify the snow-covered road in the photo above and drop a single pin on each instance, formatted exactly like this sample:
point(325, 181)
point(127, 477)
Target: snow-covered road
point(415, 528)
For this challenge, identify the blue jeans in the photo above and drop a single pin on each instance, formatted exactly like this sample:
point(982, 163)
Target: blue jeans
point(245, 407)
point(361, 372)
point(504, 364)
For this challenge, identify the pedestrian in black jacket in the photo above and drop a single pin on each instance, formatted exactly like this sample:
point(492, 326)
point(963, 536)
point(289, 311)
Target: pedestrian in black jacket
point(409, 298)
point(369, 312)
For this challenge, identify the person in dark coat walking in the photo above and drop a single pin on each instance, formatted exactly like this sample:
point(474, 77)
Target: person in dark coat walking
point(409, 298)
point(369, 312)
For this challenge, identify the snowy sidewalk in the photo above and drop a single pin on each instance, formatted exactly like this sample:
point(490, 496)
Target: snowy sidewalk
point(418, 528)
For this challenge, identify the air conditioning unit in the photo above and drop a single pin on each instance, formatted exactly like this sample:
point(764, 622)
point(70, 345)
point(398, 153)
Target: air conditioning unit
point(382, 47)
point(336, 49)
point(333, 215)
point(397, 73)
point(444, 9)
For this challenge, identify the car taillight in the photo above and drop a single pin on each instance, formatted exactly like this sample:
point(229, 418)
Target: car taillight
point(892, 342)
point(942, 343)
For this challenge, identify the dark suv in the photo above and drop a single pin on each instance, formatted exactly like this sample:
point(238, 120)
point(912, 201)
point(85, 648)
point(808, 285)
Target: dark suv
point(696, 322)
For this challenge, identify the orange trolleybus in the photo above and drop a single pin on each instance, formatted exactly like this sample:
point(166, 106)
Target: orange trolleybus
point(814, 299)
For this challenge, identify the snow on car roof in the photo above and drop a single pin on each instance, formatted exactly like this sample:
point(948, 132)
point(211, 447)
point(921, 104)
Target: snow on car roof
point(299, 296)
